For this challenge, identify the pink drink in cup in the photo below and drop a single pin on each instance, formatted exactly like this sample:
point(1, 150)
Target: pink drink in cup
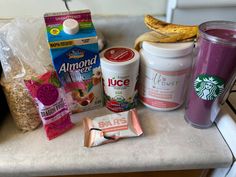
point(213, 73)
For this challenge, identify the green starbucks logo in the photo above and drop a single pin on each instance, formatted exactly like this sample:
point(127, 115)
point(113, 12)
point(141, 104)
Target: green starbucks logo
point(208, 87)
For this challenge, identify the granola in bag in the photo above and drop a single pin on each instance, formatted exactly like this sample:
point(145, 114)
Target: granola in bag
point(21, 105)
point(23, 55)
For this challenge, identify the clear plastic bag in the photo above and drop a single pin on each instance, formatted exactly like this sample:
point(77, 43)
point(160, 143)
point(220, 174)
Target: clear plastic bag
point(23, 54)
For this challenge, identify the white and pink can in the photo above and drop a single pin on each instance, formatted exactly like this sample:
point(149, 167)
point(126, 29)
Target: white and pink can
point(164, 74)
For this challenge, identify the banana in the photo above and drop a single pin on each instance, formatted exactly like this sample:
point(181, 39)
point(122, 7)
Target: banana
point(155, 37)
point(163, 32)
point(169, 29)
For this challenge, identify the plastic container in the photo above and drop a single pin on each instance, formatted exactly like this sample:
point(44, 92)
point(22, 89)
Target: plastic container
point(214, 72)
point(120, 67)
point(164, 74)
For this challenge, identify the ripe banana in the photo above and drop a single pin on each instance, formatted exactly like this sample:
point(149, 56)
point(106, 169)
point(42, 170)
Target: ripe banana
point(155, 37)
point(165, 32)
point(183, 31)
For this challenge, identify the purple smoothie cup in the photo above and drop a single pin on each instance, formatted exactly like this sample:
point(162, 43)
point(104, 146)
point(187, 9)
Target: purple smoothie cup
point(214, 72)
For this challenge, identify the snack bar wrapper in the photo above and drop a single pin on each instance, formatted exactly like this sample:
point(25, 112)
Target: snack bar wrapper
point(110, 128)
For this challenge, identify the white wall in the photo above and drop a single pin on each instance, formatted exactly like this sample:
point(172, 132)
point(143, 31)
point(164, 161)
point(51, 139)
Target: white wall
point(14, 8)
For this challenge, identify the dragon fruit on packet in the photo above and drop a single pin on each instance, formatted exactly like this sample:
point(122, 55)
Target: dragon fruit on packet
point(49, 97)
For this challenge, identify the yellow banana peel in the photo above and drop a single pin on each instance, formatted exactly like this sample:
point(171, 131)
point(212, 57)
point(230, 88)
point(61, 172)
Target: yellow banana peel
point(166, 32)
point(155, 37)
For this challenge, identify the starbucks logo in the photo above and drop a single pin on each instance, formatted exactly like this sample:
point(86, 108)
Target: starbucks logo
point(208, 87)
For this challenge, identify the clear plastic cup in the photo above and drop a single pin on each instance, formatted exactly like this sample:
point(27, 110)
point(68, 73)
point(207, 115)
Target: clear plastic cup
point(214, 72)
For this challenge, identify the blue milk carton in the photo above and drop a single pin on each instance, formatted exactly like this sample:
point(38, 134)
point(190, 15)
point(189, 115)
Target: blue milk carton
point(74, 50)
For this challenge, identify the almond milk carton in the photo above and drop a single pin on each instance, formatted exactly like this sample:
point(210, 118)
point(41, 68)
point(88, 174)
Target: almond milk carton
point(74, 50)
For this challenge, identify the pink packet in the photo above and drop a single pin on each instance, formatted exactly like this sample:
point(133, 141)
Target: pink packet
point(50, 99)
point(110, 128)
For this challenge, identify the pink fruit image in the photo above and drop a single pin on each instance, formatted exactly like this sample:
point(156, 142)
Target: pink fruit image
point(47, 94)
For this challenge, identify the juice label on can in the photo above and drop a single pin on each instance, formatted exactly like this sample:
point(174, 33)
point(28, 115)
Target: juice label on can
point(121, 91)
point(75, 57)
point(163, 89)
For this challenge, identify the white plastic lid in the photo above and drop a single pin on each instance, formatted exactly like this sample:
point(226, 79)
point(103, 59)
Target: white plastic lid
point(70, 26)
point(168, 49)
point(119, 58)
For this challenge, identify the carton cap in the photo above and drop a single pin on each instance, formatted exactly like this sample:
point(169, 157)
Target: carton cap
point(70, 26)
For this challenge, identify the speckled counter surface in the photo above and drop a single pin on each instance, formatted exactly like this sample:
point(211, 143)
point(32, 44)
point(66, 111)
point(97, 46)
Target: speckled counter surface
point(168, 143)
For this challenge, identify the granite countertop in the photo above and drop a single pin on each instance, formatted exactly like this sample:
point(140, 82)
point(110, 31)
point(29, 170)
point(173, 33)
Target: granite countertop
point(168, 143)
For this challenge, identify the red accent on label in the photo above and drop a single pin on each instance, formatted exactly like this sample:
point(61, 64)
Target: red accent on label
point(158, 103)
point(114, 129)
point(58, 127)
point(114, 82)
point(54, 115)
point(114, 106)
point(119, 54)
